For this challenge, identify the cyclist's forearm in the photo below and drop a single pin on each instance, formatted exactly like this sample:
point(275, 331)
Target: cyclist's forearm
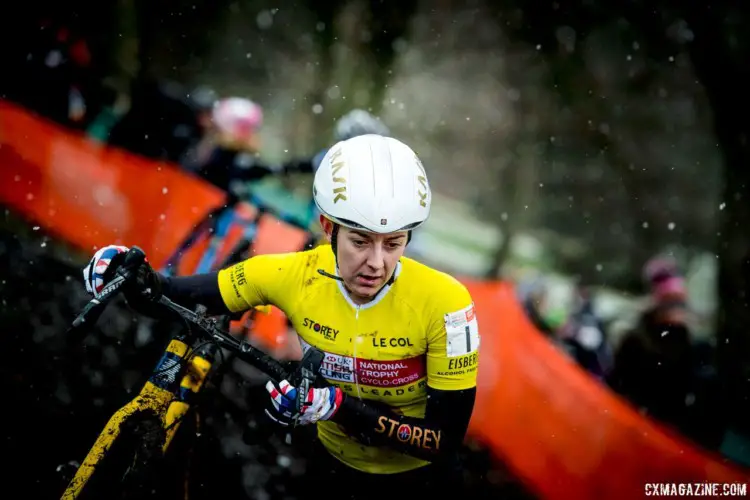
point(188, 291)
point(438, 435)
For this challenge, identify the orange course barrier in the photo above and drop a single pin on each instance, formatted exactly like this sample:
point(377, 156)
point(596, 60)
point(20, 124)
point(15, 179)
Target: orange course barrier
point(91, 195)
point(558, 429)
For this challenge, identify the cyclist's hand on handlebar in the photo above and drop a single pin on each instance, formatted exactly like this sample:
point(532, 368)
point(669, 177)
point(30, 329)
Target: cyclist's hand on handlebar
point(102, 268)
point(319, 404)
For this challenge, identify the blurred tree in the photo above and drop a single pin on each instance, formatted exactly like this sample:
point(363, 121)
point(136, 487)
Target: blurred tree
point(358, 42)
point(313, 130)
point(388, 25)
point(720, 49)
point(172, 39)
point(716, 38)
point(124, 59)
point(512, 206)
point(624, 145)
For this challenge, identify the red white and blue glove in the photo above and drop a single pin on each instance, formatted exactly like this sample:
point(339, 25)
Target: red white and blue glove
point(318, 404)
point(102, 267)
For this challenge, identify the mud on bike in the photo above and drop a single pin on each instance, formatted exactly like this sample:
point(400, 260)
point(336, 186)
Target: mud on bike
point(123, 462)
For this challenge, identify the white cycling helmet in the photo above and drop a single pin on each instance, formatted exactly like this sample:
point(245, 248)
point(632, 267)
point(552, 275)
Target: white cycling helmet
point(373, 183)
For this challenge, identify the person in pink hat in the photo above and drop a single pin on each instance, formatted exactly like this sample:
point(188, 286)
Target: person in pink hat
point(653, 364)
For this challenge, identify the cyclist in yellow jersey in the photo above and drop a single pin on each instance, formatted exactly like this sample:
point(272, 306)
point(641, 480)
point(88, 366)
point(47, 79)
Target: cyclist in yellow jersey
point(400, 339)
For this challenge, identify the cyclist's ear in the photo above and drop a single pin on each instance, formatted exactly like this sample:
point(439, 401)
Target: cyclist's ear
point(327, 226)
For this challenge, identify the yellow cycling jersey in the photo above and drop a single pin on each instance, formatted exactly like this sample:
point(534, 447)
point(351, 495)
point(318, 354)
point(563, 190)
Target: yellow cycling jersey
point(419, 331)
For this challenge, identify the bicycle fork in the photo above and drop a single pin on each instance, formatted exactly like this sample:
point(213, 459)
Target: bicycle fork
point(191, 384)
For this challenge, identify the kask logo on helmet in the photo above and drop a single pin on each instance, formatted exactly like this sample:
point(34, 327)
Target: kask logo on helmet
point(340, 191)
point(422, 196)
point(423, 181)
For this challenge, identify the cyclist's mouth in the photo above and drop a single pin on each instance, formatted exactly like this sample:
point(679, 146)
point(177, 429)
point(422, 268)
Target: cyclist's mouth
point(366, 280)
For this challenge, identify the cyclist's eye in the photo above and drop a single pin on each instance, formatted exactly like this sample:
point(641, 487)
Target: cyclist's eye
point(358, 243)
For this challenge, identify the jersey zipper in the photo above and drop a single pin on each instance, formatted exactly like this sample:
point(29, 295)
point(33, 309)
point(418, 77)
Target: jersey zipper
point(356, 341)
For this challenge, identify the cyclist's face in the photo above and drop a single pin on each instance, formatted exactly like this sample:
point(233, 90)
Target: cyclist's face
point(367, 260)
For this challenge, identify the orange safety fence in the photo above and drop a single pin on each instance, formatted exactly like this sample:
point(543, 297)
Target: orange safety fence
point(91, 195)
point(561, 430)
point(557, 428)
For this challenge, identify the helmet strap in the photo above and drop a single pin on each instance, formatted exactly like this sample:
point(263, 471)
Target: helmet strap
point(335, 243)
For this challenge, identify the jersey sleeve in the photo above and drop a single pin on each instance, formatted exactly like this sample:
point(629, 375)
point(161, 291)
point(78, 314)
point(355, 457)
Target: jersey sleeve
point(262, 280)
point(453, 340)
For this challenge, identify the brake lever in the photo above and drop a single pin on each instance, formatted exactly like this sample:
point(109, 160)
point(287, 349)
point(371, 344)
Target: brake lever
point(89, 311)
point(305, 376)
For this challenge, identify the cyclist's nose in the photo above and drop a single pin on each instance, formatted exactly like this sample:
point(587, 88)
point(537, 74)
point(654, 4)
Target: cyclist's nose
point(376, 257)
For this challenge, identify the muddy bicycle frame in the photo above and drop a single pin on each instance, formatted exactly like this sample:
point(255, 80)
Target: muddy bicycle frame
point(179, 375)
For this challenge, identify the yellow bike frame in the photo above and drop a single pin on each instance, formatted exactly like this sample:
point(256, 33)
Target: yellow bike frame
point(160, 394)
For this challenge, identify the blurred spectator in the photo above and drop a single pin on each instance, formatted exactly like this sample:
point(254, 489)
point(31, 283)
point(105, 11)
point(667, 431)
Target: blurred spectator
point(59, 57)
point(161, 122)
point(227, 155)
point(115, 105)
point(580, 335)
point(202, 99)
point(659, 367)
point(585, 337)
point(533, 296)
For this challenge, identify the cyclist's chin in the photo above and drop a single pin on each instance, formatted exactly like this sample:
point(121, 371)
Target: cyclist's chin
point(361, 293)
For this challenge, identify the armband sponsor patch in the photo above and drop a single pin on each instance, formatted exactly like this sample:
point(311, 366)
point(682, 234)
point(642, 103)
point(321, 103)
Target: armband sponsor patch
point(462, 332)
point(237, 279)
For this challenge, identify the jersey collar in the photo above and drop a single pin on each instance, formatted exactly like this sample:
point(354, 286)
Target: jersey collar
point(378, 297)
